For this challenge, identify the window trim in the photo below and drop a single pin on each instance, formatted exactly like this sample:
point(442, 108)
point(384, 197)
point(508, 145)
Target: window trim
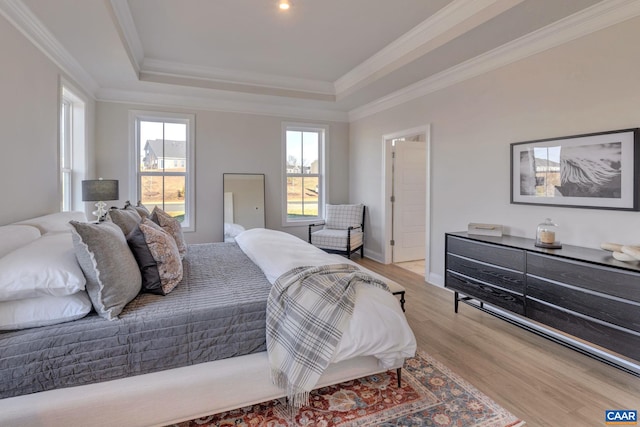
point(322, 167)
point(66, 153)
point(190, 120)
point(77, 146)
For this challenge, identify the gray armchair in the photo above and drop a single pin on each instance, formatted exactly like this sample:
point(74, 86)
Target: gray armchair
point(342, 232)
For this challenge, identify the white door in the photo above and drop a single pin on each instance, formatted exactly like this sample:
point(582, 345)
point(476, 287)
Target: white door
point(409, 207)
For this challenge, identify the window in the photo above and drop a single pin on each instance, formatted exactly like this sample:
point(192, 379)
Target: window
point(65, 154)
point(71, 150)
point(304, 166)
point(163, 161)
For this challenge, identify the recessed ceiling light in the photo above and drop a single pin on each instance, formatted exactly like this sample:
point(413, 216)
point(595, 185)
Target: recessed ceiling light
point(284, 4)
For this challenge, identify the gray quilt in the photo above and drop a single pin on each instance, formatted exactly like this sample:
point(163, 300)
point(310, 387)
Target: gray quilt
point(216, 312)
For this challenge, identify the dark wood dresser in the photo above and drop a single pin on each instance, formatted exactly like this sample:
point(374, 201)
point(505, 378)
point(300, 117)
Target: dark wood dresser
point(580, 291)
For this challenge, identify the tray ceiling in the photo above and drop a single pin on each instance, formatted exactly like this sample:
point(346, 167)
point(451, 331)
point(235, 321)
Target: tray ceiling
point(335, 56)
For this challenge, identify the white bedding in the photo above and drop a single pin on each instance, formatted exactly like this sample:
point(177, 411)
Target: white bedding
point(246, 378)
point(378, 326)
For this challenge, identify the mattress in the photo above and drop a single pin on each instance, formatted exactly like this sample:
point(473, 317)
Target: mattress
point(216, 312)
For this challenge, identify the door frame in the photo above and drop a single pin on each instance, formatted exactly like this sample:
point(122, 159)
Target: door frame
point(387, 190)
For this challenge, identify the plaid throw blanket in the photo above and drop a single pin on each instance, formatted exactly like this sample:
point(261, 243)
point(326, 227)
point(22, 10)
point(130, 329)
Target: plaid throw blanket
point(307, 311)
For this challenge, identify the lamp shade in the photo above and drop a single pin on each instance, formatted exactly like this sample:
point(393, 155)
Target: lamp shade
point(95, 190)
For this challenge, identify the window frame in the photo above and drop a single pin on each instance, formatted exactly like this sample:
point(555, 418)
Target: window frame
point(137, 116)
point(72, 145)
point(323, 142)
point(66, 155)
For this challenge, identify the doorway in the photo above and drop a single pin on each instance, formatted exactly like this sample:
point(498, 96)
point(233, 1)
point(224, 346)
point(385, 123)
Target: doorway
point(407, 199)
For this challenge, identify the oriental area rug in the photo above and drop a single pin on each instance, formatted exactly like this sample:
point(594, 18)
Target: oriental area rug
point(431, 395)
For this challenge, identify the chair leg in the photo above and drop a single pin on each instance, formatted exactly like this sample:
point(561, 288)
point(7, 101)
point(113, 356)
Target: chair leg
point(399, 372)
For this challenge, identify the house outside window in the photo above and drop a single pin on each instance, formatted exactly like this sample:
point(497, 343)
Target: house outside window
point(304, 168)
point(163, 159)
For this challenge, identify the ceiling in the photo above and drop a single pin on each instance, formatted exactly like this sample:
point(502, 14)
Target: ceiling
point(331, 56)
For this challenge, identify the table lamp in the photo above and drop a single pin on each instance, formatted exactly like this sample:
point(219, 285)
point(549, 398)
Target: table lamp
point(99, 190)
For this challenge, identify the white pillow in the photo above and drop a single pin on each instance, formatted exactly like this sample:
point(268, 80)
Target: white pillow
point(43, 311)
point(13, 237)
point(47, 266)
point(55, 222)
point(232, 230)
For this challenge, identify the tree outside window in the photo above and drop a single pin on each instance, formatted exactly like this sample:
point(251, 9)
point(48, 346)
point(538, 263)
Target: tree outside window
point(304, 148)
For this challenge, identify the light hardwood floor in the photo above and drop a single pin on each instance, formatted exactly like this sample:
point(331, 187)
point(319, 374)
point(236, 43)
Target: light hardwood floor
point(541, 382)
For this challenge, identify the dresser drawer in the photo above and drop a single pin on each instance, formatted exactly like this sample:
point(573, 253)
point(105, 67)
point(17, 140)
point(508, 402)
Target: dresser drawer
point(592, 304)
point(485, 292)
point(606, 280)
point(484, 252)
point(502, 277)
point(624, 342)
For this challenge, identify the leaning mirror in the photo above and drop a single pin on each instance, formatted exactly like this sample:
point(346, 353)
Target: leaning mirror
point(243, 203)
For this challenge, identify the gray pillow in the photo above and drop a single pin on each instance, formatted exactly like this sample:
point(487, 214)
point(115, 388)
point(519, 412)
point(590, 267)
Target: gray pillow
point(142, 210)
point(148, 267)
point(126, 218)
point(113, 276)
point(139, 207)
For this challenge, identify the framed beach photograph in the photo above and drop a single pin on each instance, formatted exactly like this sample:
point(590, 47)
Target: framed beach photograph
point(597, 170)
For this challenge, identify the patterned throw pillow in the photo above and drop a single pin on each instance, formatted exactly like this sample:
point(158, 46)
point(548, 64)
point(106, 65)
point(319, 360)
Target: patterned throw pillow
point(341, 217)
point(171, 226)
point(113, 276)
point(164, 251)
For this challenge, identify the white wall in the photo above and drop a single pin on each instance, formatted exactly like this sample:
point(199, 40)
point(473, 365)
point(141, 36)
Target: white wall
point(225, 142)
point(29, 116)
point(588, 85)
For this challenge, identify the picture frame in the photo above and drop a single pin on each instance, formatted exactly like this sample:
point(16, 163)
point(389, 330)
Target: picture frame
point(595, 170)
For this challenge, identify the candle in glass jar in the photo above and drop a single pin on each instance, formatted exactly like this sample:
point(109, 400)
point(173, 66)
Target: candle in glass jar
point(547, 237)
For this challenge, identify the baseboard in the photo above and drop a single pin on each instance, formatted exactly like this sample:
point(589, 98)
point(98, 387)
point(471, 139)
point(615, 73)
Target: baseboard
point(436, 279)
point(376, 256)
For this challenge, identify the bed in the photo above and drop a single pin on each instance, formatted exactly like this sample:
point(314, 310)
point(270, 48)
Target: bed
point(156, 378)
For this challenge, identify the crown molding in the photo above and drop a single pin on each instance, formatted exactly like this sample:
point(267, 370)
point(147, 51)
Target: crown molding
point(210, 104)
point(21, 17)
point(587, 21)
point(425, 37)
point(126, 27)
point(257, 81)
